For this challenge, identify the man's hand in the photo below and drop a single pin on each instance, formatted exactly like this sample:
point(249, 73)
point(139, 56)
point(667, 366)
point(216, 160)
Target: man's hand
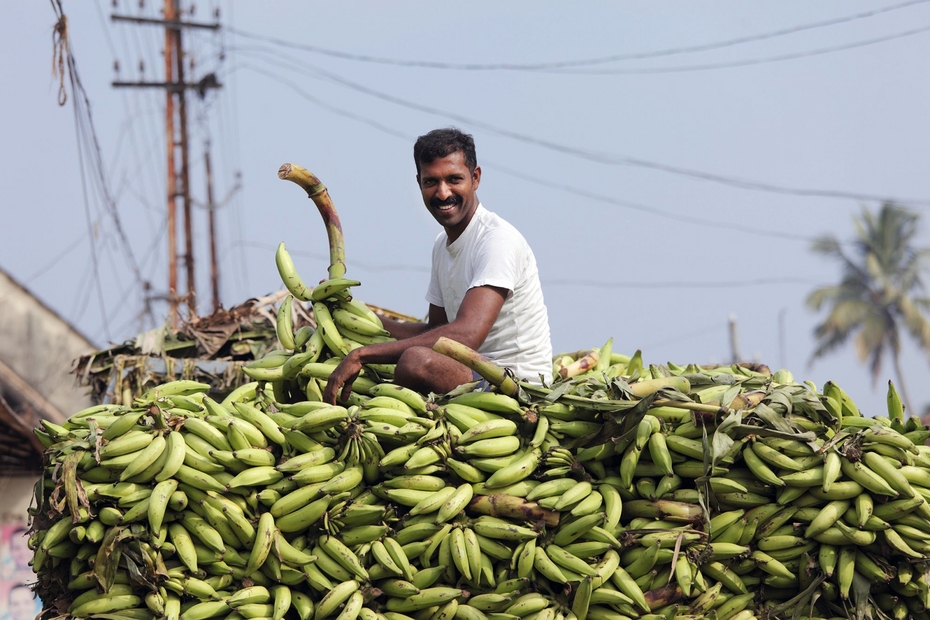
point(480, 308)
point(342, 378)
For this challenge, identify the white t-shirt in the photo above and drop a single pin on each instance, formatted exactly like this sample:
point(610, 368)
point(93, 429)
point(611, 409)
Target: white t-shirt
point(492, 252)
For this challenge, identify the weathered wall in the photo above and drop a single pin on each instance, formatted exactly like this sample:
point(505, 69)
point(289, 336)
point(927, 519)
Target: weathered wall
point(39, 346)
point(16, 492)
point(15, 601)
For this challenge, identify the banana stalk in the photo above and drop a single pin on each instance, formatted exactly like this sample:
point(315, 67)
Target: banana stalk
point(494, 374)
point(320, 196)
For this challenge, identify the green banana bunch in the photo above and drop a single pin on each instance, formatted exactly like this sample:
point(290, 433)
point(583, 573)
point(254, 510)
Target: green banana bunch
point(568, 502)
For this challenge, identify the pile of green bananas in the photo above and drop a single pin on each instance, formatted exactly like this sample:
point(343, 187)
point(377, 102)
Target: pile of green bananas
point(621, 490)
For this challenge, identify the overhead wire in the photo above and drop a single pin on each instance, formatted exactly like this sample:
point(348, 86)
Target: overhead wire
point(84, 291)
point(582, 282)
point(93, 147)
point(57, 258)
point(562, 64)
point(716, 224)
point(144, 107)
point(106, 32)
point(94, 264)
point(128, 125)
point(228, 129)
point(145, 162)
point(566, 188)
point(598, 157)
point(556, 281)
point(148, 46)
point(154, 101)
point(379, 267)
point(751, 61)
point(704, 331)
point(676, 284)
point(138, 116)
point(89, 147)
point(140, 318)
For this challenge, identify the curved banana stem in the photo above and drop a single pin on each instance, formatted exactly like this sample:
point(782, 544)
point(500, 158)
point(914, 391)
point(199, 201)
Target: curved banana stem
point(494, 374)
point(320, 197)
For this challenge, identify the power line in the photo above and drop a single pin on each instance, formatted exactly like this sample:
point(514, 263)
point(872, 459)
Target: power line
point(54, 261)
point(106, 32)
point(549, 282)
point(715, 224)
point(676, 284)
point(137, 108)
point(335, 110)
point(227, 123)
point(377, 268)
point(600, 284)
point(751, 61)
point(619, 160)
point(64, 47)
point(608, 158)
point(563, 64)
point(704, 331)
point(139, 318)
point(87, 139)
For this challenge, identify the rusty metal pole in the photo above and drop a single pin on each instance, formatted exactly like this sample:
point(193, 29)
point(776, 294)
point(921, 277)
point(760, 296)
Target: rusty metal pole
point(734, 340)
point(211, 210)
point(185, 178)
point(170, 35)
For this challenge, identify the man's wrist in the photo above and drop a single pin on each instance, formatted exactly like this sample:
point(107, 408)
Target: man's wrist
point(357, 355)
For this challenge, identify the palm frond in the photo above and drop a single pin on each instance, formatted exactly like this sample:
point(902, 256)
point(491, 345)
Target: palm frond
point(918, 326)
point(875, 363)
point(820, 296)
point(875, 298)
point(827, 343)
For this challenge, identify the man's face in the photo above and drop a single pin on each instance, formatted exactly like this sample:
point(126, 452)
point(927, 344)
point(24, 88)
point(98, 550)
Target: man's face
point(449, 191)
point(22, 605)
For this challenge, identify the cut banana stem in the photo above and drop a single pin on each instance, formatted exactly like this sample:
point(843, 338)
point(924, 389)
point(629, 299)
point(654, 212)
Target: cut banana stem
point(494, 374)
point(320, 197)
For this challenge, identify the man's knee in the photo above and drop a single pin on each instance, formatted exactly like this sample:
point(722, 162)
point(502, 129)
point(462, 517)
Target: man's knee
point(424, 369)
point(415, 361)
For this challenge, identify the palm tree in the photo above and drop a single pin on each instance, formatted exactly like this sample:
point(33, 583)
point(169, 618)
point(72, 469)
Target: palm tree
point(881, 292)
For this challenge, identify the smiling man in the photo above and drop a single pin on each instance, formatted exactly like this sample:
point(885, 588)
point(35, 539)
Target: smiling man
point(484, 287)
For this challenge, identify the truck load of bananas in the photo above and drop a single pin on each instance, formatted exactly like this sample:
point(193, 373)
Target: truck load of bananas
point(614, 490)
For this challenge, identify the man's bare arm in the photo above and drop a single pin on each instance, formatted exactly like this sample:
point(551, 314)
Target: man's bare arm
point(476, 316)
point(403, 330)
point(480, 308)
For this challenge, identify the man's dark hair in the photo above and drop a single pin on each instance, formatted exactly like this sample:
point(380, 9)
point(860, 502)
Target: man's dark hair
point(442, 142)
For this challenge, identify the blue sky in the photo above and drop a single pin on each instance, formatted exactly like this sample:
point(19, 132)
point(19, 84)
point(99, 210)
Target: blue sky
point(622, 175)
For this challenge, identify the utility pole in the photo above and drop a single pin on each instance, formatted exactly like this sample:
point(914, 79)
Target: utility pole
point(211, 214)
point(185, 176)
point(782, 346)
point(170, 47)
point(212, 206)
point(178, 181)
point(734, 343)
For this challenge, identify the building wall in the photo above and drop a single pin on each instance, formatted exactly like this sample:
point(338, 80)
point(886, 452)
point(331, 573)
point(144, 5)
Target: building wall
point(39, 346)
point(14, 572)
point(16, 492)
